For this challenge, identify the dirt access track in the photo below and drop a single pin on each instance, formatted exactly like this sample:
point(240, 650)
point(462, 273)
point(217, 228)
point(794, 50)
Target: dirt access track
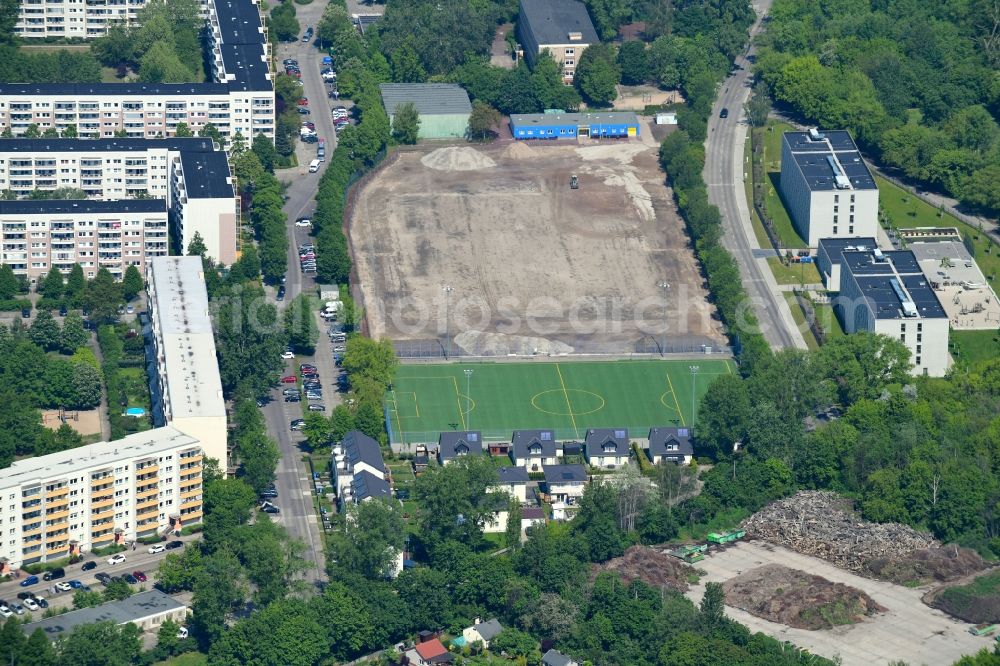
point(533, 265)
point(907, 630)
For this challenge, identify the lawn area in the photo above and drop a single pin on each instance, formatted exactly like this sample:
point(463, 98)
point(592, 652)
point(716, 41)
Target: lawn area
point(973, 347)
point(800, 320)
point(793, 273)
point(568, 397)
point(828, 320)
point(772, 165)
point(186, 659)
point(135, 387)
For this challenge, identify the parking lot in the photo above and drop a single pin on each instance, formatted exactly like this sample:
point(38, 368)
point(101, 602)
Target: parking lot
point(908, 631)
point(139, 559)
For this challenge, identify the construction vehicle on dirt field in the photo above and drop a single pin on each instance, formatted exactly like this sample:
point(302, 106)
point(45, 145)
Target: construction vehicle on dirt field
point(727, 536)
point(983, 629)
point(574, 183)
point(689, 553)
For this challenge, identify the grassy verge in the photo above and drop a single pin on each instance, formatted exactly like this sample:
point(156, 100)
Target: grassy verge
point(799, 273)
point(974, 347)
point(800, 320)
point(828, 320)
point(758, 227)
point(772, 166)
point(186, 659)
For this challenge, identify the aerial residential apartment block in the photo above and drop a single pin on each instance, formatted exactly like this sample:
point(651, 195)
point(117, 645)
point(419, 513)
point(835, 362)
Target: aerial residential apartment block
point(828, 189)
point(188, 381)
point(97, 495)
point(189, 176)
point(41, 234)
point(240, 97)
point(86, 19)
point(563, 27)
point(887, 293)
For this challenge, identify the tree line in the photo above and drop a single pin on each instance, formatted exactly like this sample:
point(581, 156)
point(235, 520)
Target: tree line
point(913, 82)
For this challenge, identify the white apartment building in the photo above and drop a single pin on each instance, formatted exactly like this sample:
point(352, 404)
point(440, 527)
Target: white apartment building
point(190, 388)
point(239, 99)
point(887, 293)
point(41, 234)
point(188, 173)
point(93, 496)
point(827, 188)
point(84, 19)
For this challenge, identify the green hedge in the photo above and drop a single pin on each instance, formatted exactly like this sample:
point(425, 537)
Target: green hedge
point(192, 529)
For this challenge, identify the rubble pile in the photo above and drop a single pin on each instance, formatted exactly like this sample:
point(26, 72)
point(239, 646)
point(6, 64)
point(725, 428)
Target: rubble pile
point(822, 524)
point(651, 566)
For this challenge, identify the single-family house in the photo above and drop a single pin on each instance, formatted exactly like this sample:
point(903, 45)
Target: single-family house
point(556, 658)
point(565, 482)
point(670, 445)
point(531, 516)
point(514, 481)
point(482, 632)
point(453, 445)
point(532, 449)
point(607, 447)
point(427, 653)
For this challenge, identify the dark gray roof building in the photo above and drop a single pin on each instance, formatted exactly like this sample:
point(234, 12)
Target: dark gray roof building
point(672, 444)
point(360, 448)
point(878, 275)
point(813, 159)
point(607, 443)
point(564, 474)
point(206, 175)
point(533, 444)
point(555, 22)
point(80, 206)
point(365, 485)
point(139, 608)
point(57, 145)
point(489, 629)
point(452, 445)
point(556, 658)
point(513, 475)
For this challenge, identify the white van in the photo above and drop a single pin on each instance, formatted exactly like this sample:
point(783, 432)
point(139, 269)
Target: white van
point(314, 166)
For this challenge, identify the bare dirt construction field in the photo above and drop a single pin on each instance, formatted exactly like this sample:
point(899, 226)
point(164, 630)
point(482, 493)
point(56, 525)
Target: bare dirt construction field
point(906, 630)
point(534, 266)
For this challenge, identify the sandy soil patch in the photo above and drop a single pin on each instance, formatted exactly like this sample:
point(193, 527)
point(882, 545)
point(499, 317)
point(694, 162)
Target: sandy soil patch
point(532, 264)
point(85, 422)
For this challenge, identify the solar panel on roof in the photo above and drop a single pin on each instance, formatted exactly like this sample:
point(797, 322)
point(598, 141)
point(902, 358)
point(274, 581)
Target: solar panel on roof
point(473, 436)
point(683, 432)
point(546, 436)
point(620, 433)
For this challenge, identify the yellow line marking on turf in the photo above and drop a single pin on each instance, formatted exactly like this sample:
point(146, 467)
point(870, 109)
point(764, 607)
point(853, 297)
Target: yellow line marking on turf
point(399, 425)
point(458, 401)
point(677, 404)
point(569, 407)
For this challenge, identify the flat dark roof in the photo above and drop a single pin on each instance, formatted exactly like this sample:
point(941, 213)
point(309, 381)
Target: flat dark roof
point(206, 175)
point(835, 247)
point(81, 91)
point(70, 206)
point(247, 64)
point(811, 156)
point(875, 278)
point(44, 144)
point(239, 22)
point(551, 21)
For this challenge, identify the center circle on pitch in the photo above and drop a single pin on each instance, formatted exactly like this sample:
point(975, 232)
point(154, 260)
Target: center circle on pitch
point(554, 402)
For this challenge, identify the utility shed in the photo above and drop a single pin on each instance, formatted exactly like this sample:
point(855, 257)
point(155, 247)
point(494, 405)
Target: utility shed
point(443, 108)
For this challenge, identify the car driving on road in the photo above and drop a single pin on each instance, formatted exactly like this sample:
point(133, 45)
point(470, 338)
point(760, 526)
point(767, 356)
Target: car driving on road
point(116, 559)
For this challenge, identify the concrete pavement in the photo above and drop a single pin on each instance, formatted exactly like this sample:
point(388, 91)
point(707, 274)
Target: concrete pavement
point(724, 173)
point(907, 632)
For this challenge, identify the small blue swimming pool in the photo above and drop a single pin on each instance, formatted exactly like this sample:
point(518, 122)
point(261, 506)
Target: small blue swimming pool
point(135, 411)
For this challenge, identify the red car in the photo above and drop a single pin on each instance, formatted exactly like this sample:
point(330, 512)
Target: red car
point(290, 379)
point(140, 576)
point(304, 101)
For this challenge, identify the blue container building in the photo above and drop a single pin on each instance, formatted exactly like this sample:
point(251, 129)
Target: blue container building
point(573, 125)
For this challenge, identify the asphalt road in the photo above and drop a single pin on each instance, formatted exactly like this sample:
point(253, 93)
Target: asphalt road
point(724, 177)
point(135, 560)
point(294, 485)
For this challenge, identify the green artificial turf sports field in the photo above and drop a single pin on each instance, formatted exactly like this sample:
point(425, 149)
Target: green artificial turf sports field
point(568, 397)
